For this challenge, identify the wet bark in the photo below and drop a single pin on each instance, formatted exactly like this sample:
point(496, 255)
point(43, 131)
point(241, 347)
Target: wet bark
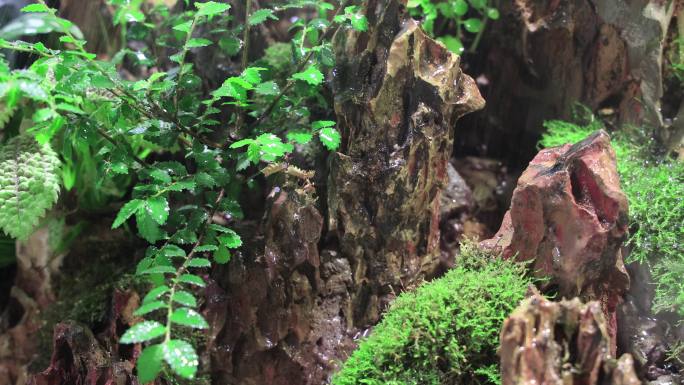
point(290, 315)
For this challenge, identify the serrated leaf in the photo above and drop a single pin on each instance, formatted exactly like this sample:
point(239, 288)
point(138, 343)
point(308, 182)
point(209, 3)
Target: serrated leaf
point(192, 279)
point(181, 357)
point(222, 255)
point(260, 16)
point(160, 270)
point(205, 180)
point(199, 262)
point(205, 248)
point(358, 22)
point(143, 331)
point(230, 240)
point(311, 75)
point(149, 307)
point(158, 209)
point(29, 184)
point(155, 293)
point(126, 211)
point(149, 363)
point(188, 317)
point(161, 175)
point(199, 42)
point(36, 8)
point(322, 124)
point(183, 27)
point(252, 75)
point(330, 138)
point(173, 251)
point(148, 228)
point(211, 8)
point(184, 298)
point(267, 88)
point(300, 137)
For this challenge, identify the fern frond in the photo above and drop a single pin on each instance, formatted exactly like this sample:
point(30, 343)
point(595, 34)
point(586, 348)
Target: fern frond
point(29, 184)
point(6, 113)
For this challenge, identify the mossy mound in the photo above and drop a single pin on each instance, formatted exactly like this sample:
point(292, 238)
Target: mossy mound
point(654, 185)
point(444, 332)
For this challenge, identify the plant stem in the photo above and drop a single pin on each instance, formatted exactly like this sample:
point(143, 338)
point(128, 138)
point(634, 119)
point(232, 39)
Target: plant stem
point(245, 59)
point(267, 112)
point(184, 266)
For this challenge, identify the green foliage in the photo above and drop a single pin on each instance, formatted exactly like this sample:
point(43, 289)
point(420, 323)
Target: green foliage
point(104, 129)
point(446, 331)
point(29, 184)
point(654, 186)
point(464, 17)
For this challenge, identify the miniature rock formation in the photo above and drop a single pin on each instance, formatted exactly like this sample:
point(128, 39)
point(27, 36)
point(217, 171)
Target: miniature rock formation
point(398, 94)
point(566, 342)
point(569, 216)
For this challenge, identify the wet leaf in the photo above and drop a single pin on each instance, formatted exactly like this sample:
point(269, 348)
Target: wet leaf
point(184, 298)
point(181, 357)
point(149, 307)
point(192, 280)
point(199, 262)
point(188, 317)
point(330, 138)
point(143, 331)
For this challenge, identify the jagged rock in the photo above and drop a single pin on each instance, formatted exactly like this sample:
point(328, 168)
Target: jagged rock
point(640, 333)
point(398, 94)
point(282, 318)
point(560, 343)
point(78, 358)
point(569, 216)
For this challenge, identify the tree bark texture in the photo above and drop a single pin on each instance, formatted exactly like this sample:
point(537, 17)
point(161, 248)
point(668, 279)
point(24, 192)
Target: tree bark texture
point(545, 56)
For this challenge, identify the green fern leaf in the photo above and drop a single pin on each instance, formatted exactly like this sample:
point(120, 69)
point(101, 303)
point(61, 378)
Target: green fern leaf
point(29, 184)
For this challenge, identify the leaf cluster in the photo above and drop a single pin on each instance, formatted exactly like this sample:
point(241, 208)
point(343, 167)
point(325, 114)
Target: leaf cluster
point(180, 148)
point(467, 18)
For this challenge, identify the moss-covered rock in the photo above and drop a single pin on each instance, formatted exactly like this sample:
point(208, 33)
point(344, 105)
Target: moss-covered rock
point(654, 185)
point(444, 332)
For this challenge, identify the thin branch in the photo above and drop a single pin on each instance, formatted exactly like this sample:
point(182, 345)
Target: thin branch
point(267, 112)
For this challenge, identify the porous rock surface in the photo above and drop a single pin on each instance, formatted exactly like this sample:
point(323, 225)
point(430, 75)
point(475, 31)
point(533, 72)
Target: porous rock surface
point(569, 216)
point(560, 343)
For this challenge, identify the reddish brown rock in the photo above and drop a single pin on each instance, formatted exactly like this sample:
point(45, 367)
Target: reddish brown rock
point(78, 358)
point(560, 343)
point(569, 216)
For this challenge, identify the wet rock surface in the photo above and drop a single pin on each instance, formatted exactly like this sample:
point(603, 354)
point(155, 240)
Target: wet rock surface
point(398, 94)
point(282, 318)
point(566, 342)
point(78, 358)
point(569, 216)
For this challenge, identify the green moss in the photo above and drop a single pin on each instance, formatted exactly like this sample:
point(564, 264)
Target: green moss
point(444, 332)
point(654, 186)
